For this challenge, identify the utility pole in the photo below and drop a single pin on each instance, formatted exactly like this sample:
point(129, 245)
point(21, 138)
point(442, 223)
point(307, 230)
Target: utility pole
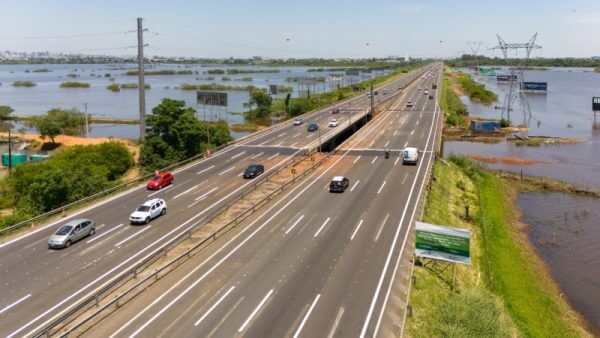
point(371, 98)
point(9, 153)
point(141, 84)
point(87, 125)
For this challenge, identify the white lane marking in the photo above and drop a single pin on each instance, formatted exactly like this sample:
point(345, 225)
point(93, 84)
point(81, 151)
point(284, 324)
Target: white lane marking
point(391, 251)
point(395, 132)
point(380, 188)
point(312, 306)
point(418, 122)
point(135, 234)
point(374, 159)
point(322, 226)
point(336, 323)
point(279, 144)
point(236, 155)
point(293, 225)
point(192, 204)
point(281, 134)
point(386, 144)
point(405, 144)
point(185, 192)
point(293, 144)
point(272, 157)
point(262, 302)
point(354, 186)
point(257, 155)
point(263, 143)
point(160, 190)
point(383, 131)
point(207, 193)
point(371, 144)
point(396, 162)
point(227, 255)
point(405, 177)
point(381, 227)
point(356, 160)
point(214, 306)
point(9, 306)
point(412, 132)
point(226, 171)
point(296, 135)
point(203, 170)
point(356, 230)
point(104, 233)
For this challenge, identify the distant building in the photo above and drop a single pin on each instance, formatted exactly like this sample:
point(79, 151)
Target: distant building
point(595, 58)
point(257, 58)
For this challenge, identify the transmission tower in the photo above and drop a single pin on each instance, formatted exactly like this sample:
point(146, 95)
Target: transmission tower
point(475, 46)
point(516, 80)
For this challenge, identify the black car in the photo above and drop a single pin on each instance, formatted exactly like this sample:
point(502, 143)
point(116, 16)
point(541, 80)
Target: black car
point(339, 184)
point(254, 170)
point(313, 127)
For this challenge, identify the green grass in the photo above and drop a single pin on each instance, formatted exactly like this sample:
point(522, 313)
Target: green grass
point(505, 282)
point(24, 84)
point(454, 109)
point(476, 92)
point(74, 84)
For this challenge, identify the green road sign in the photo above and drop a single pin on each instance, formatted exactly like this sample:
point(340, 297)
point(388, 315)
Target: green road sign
point(443, 243)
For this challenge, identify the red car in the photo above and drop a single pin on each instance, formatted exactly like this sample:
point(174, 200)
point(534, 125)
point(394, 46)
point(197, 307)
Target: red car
point(335, 111)
point(159, 180)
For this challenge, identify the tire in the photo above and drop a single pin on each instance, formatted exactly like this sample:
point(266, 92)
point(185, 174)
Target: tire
point(68, 244)
point(160, 187)
point(164, 211)
point(147, 220)
point(92, 232)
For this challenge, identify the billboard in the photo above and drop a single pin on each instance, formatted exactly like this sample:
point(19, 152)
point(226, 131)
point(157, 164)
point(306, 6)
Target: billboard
point(212, 98)
point(535, 86)
point(596, 103)
point(506, 78)
point(443, 243)
point(273, 89)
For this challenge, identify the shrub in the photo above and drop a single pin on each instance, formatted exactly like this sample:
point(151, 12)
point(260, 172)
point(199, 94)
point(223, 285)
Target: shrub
point(74, 84)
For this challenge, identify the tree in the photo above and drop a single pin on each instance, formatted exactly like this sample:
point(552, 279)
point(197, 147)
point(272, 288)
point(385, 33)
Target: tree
point(5, 112)
point(287, 102)
point(59, 121)
point(263, 102)
point(46, 127)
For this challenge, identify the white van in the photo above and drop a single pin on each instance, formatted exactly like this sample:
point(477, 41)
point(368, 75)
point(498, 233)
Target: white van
point(410, 156)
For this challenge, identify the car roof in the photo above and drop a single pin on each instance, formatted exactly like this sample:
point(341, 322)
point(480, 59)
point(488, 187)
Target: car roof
point(410, 149)
point(162, 174)
point(152, 201)
point(338, 178)
point(75, 222)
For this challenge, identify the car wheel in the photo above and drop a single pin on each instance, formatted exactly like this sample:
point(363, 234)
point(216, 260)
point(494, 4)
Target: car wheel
point(147, 220)
point(164, 211)
point(160, 187)
point(92, 232)
point(68, 244)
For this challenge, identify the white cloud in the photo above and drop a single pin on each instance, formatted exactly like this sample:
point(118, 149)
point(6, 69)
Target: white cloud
point(592, 18)
point(406, 8)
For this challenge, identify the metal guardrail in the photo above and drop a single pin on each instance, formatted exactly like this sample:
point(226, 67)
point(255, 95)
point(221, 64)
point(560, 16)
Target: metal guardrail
point(127, 184)
point(93, 301)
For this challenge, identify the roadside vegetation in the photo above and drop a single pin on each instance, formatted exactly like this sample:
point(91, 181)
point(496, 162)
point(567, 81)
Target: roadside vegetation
point(74, 84)
point(24, 84)
point(475, 91)
point(470, 60)
point(505, 292)
point(58, 121)
point(454, 109)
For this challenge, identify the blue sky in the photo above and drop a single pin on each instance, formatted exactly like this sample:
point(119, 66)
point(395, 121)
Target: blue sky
point(304, 28)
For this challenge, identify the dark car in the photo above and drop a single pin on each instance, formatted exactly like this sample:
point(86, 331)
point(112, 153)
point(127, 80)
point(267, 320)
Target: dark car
point(431, 97)
point(339, 184)
point(254, 170)
point(335, 111)
point(160, 180)
point(313, 127)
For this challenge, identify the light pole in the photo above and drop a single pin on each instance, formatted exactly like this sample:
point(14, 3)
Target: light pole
point(319, 129)
point(87, 126)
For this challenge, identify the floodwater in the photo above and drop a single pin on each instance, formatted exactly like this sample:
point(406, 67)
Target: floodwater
point(565, 232)
point(564, 229)
point(102, 102)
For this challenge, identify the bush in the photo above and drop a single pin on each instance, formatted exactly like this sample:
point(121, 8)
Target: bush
point(114, 87)
point(74, 84)
point(504, 123)
point(24, 84)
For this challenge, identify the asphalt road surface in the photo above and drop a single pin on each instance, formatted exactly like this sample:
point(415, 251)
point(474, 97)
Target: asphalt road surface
point(39, 284)
point(312, 264)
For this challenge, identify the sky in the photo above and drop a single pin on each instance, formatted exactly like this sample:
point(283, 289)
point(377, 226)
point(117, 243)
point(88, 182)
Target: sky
point(300, 29)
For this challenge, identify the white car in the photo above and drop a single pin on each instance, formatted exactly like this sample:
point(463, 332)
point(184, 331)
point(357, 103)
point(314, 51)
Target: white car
point(333, 123)
point(410, 155)
point(148, 211)
point(298, 121)
point(409, 104)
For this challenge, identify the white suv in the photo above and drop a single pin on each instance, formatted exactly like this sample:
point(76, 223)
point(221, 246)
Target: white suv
point(333, 123)
point(149, 210)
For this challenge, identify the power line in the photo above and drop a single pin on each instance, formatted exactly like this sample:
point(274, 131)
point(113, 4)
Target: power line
point(64, 36)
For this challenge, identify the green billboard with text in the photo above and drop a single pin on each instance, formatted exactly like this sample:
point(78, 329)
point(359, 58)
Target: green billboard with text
point(443, 243)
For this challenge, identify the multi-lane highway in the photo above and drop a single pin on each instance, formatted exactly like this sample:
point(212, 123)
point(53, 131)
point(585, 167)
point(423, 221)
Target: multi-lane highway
point(313, 263)
point(40, 284)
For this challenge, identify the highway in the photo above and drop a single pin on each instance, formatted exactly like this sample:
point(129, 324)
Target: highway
point(40, 284)
point(312, 264)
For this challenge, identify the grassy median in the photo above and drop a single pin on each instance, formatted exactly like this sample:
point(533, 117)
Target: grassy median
point(506, 292)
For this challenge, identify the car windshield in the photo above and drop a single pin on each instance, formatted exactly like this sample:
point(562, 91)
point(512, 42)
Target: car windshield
point(406, 154)
point(251, 168)
point(64, 230)
point(143, 208)
point(156, 178)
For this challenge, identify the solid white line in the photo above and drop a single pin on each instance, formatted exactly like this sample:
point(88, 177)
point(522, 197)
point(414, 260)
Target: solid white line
point(272, 157)
point(354, 186)
point(135, 234)
point(226, 171)
point(104, 233)
point(293, 144)
point(6, 308)
point(356, 230)
point(262, 302)
point(160, 190)
point(374, 159)
point(312, 306)
point(293, 225)
point(396, 162)
point(203, 170)
point(206, 193)
point(356, 160)
point(381, 227)
point(336, 323)
point(236, 155)
point(185, 192)
point(257, 155)
point(281, 134)
point(380, 188)
point(214, 306)
point(322, 225)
